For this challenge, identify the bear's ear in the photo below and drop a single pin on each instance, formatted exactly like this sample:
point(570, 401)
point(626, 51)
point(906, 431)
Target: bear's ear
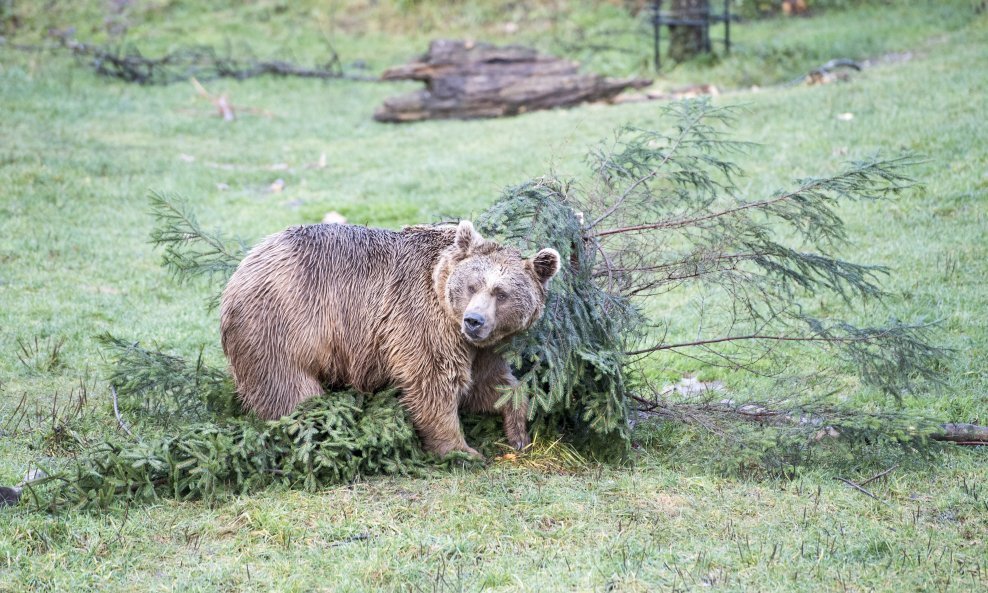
point(546, 264)
point(467, 237)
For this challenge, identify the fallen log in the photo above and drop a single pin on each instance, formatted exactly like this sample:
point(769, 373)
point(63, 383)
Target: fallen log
point(963, 434)
point(466, 80)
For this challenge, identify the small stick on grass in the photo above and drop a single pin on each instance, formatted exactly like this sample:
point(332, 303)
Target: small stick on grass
point(11, 427)
point(123, 522)
point(221, 103)
point(881, 475)
point(116, 412)
point(860, 489)
point(349, 540)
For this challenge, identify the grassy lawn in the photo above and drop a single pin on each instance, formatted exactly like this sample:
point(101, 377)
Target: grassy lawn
point(78, 155)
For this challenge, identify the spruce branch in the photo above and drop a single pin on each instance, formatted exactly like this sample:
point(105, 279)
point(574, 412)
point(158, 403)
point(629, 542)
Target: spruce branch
point(189, 252)
point(166, 387)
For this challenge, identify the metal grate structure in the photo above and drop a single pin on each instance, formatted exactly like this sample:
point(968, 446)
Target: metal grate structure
point(699, 16)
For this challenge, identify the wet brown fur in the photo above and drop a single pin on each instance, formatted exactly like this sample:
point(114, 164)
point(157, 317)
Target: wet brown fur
point(348, 305)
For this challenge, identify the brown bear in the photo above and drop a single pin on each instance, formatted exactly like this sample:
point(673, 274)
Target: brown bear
point(421, 309)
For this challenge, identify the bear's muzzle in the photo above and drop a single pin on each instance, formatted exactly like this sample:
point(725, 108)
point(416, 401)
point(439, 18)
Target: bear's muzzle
point(475, 327)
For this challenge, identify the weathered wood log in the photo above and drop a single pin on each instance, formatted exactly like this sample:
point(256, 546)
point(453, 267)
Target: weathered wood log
point(963, 434)
point(467, 80)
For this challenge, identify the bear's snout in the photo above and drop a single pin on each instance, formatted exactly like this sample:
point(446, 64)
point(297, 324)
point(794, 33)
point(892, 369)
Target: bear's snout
point(475, 326)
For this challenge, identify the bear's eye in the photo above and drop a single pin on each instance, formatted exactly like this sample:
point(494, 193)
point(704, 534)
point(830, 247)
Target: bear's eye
point(472, 289)
point(500, 295)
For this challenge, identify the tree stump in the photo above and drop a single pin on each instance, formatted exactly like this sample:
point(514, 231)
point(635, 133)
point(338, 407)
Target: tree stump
point(467, 80)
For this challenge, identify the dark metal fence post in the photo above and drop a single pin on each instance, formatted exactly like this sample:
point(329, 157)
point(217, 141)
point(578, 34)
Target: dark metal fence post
point(705, 15)
point(727, 27)
point(657, 32)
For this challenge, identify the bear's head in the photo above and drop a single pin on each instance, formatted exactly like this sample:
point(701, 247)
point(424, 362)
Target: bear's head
point(489, 290)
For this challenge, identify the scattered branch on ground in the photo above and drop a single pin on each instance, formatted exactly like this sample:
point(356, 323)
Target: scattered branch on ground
point(116, 412)
point(330, 440)
point(827, 73)
point(880, 475)
point(831, 422)
point(221, 103)
point(860, 489)
point(126, 62)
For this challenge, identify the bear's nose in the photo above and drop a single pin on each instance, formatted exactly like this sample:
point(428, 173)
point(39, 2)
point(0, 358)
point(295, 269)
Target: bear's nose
point(473, 321)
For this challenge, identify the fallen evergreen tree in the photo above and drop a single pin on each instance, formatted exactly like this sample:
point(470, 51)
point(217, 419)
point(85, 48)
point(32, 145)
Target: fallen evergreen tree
point(661, 215)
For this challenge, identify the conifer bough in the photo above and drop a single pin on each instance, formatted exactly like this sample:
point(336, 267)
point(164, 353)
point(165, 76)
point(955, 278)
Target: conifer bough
point(660, 219)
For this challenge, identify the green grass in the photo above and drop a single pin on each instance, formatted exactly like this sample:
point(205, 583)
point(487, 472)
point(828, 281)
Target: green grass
point(78, 155)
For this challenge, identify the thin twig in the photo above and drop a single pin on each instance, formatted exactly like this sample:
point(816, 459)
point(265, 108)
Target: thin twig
point(11, 427)
point(223, 106)
point(860, 489)
point(655, 171)
point(881, 475)
point(681, 222)
point(349, 540)
point(116, 412)
point(812, 185)
point(753, 337)
point(686, 261)
point(123, 522)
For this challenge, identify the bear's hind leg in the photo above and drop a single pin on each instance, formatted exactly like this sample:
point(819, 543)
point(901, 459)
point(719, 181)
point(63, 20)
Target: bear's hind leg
point(279, 392)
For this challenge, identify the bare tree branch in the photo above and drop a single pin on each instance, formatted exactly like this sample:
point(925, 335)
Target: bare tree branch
point(116, 412)
point(860, 489)
point(660, 347)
